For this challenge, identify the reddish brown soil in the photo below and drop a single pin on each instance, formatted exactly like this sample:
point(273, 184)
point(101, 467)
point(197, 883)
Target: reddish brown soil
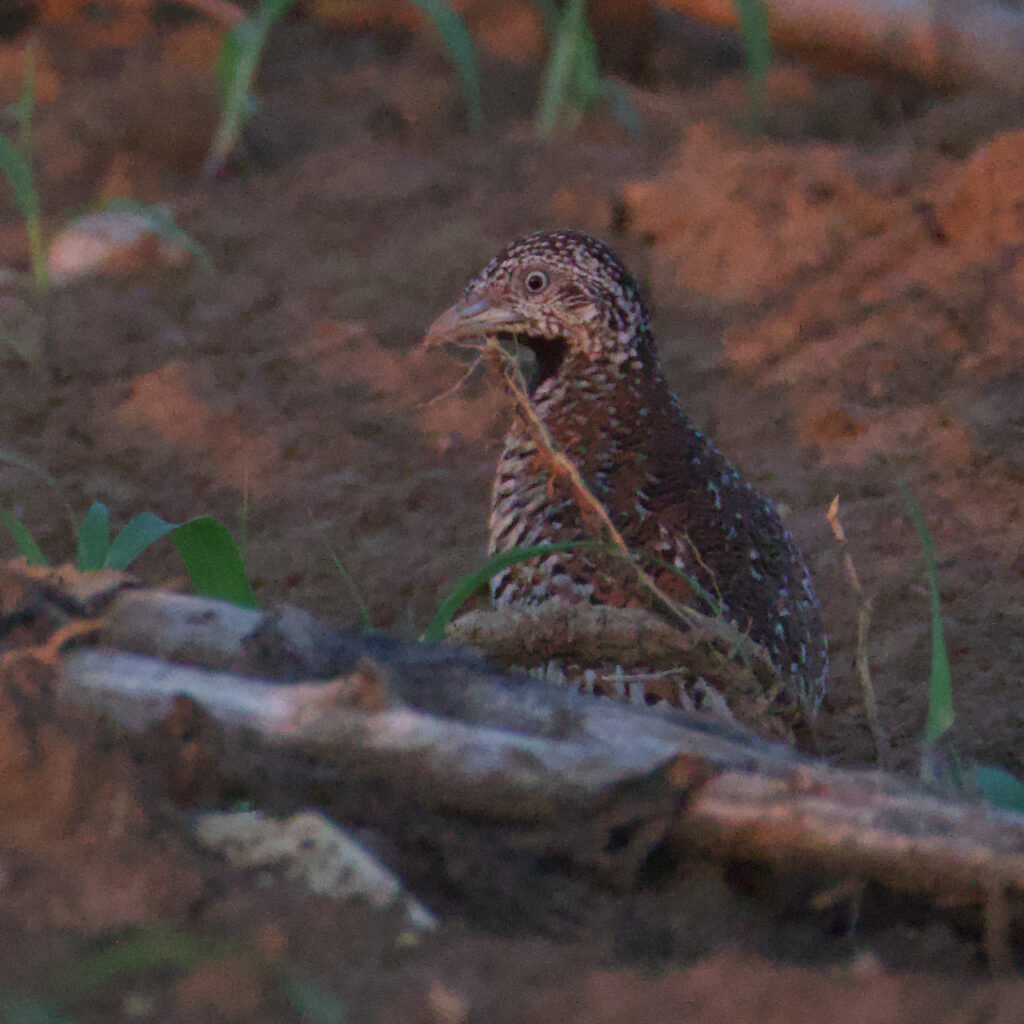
point(837, 306)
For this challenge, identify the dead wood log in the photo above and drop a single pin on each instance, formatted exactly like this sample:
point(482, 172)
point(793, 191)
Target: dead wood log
point(948, 42)
point(572, 771)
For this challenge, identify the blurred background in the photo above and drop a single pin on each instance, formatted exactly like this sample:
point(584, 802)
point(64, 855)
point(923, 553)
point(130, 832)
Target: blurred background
point(224, 229)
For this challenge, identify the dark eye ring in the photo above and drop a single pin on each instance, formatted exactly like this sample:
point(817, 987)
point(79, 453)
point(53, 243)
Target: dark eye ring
point(536, 281)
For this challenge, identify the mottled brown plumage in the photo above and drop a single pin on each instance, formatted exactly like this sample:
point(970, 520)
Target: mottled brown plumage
point(600, 393)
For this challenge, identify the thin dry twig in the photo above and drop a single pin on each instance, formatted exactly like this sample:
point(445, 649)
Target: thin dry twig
point(866, 602)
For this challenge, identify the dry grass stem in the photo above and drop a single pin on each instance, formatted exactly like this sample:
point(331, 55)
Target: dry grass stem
point(865, 602)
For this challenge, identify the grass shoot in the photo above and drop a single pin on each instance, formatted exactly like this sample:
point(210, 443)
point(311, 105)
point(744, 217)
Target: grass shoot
point(996, 785)
point(239, 60)
point(16, 165)
point(211, 557)
point(757, 52)
point(459, 45)
point(940, 717)
point(572, 82)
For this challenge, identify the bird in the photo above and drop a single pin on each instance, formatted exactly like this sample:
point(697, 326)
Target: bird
point(601, 399)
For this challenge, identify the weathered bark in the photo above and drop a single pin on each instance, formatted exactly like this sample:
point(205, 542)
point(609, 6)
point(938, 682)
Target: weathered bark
point(603, 784)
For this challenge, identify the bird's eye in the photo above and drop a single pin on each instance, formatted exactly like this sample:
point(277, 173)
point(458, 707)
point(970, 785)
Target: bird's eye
point(536, 281)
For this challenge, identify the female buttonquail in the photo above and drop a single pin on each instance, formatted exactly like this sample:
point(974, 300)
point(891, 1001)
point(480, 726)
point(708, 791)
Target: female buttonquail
point(600, 393)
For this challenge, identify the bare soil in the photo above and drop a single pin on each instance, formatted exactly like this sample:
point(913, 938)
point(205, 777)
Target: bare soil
point(837, 304)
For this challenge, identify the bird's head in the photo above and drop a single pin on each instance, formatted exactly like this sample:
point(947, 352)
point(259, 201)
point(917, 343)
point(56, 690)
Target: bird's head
point(559, 293)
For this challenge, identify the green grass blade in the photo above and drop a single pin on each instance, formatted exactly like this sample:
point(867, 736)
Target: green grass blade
point(239, 59)
point(558, 73)
point(13, 458)
point(18, 1009)
point(940, 685)
point(365, 619)
point(999, 787)
point(212, 559)
point(311, 999)
point(712, 602)
point(162, 224)
point(23, 540)
point(137, 535)
point(228, 60)
point(16, 165)
point(213, 562)
point(622, 106)
point(16, 168)
point(272, 11)
point(236, 70)
point(24, 109)
point(156, 947)
point(469, 585)
point(18, 172)
point(93, 539)
point(757, 51)
point(550, 13)
point(585, 80)
point(459, 44)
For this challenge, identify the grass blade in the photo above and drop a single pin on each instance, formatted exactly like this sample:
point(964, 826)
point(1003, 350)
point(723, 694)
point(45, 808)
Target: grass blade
point(16, 165)
point(311, 999)
point(550, 13)
point(155, 947)
point(20, 1009)
point(237, 63)
point(999, 787)
point(712, 602)
point(24, 109)
point(161, 222)
point(558, 73)
point(137, 535)
point(93, 539)
point(17, 169)
point(469, 585)
point(757, 51)
point(213, 562)
point(585, 80)
point(459, 44)
point(365, 619)
point(622, 106)
point(18, 172)
point(940, 685)
point(228, 61)
point(24, 541)
point(13, 458)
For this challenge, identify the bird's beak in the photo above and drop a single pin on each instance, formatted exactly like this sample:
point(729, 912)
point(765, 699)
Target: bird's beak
point(470, 319)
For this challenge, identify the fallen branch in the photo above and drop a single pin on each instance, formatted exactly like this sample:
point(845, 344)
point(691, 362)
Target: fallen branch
point(567, 771)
